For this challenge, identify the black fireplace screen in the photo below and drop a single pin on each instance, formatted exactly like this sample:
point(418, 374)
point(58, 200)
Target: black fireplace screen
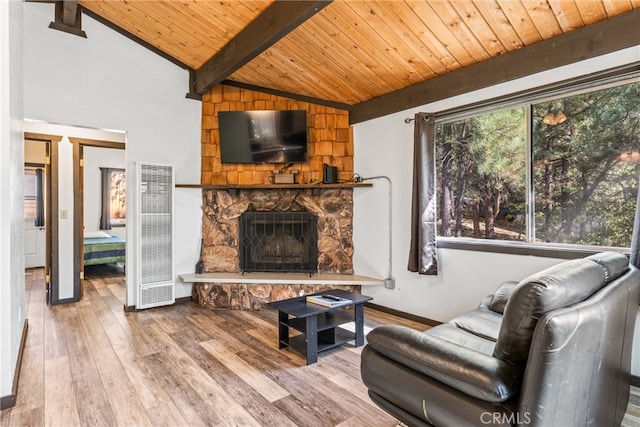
point(278, 242)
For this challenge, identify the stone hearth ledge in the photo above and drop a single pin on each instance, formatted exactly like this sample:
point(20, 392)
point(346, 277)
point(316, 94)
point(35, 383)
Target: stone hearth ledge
point(253, 291)
point(281, 279)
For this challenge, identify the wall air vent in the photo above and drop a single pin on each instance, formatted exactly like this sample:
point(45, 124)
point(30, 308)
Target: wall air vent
point(155, 214)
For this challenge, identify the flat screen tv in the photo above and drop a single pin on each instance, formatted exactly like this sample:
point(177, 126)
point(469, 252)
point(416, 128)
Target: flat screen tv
point(265, 136)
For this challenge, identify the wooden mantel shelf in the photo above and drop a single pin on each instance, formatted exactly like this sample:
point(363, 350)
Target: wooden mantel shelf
point(274, 186)
point(281, 279)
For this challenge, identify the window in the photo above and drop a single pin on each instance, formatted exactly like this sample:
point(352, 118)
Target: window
point(34, 195)
point(30, 194)
point(583, 163)
point(118, 208)
point(114, 198)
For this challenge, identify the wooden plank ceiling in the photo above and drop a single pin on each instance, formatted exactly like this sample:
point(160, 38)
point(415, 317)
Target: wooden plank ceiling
point(354, 51)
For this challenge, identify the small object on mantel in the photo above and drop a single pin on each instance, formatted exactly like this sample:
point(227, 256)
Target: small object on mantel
point(284, 178)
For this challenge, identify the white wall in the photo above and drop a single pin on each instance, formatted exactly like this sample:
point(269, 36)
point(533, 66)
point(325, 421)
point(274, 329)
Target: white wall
point(384, 146)
point(12, 294)
point(94, 159)
point(108, 82)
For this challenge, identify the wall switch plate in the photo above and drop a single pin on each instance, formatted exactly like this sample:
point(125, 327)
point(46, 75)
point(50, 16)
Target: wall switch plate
point(389, 283)
point(64, 213)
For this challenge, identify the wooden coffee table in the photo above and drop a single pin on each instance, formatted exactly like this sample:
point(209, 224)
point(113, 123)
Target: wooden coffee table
point(318, 324)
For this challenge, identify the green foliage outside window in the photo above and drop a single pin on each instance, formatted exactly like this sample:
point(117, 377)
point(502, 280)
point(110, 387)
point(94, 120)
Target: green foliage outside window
point(585, 176)
point(585, 167)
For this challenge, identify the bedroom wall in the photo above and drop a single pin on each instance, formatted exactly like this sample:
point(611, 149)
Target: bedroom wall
point(109, 82)
point(94, 159)
point(12, 285)
point(35, 152)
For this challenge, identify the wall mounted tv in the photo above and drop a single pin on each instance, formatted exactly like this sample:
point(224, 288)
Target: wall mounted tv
point(265, 136)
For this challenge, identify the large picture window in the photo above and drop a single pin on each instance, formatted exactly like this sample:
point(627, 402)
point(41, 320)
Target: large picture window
point(578, 170)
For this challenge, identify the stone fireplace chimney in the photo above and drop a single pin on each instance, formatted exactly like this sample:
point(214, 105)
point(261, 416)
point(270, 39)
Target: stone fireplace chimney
point(332, 210)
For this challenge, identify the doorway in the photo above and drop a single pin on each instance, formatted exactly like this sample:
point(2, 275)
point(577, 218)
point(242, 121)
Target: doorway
point(94, 158)
point(35, 154)
point(41, 201)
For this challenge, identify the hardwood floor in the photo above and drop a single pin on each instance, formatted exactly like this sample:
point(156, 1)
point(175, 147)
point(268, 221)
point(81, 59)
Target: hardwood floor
point(90, 363)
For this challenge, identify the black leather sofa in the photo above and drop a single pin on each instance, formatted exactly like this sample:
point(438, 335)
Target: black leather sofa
point(551, 350)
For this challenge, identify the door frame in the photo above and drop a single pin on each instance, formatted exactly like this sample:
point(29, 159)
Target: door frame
point(78, 206)
point(52, 263)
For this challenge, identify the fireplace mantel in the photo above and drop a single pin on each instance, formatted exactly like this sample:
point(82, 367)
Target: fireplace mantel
point(275, 186)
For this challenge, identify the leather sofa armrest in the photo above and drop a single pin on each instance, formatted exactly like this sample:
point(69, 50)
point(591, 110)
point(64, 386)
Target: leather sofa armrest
point(473, 373)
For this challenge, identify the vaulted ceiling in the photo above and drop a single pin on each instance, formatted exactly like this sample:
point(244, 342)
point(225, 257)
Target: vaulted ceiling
point(372, 57)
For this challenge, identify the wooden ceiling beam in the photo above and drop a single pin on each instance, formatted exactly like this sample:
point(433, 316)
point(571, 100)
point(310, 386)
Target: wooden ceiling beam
point(69, 12)
point(296, 96)
point(68, 18)
point(274, 23)
point(613, 34)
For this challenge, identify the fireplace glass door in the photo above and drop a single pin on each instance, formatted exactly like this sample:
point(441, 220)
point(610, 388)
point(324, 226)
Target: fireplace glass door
point(278, 242)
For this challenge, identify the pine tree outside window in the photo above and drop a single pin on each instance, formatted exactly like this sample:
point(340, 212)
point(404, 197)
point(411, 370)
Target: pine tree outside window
point(561, 171)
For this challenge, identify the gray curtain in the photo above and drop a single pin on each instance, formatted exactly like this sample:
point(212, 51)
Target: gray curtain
point(635, 239)
point(39, 222)
point(105, 211)
point(422, 253)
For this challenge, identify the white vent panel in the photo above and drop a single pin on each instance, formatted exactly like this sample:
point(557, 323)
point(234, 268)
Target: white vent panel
point(156, 235)
point(153, 296)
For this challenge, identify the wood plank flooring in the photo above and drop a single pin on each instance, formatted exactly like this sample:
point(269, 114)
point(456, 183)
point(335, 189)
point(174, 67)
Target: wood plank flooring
point(92, 364)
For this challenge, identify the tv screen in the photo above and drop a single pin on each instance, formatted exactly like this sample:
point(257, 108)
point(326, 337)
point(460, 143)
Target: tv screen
point(265, 136)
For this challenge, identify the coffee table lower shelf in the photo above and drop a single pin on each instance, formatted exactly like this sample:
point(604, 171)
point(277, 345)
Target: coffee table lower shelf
point(309, 328)
point(327, 339)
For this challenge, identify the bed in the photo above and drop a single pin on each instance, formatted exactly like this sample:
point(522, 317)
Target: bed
point(103, 249)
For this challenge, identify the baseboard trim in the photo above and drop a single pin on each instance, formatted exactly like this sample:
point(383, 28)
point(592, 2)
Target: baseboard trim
point(181, 300)
point(10, 400)
point(67, 301)
point(402, 314)
point(635, 381)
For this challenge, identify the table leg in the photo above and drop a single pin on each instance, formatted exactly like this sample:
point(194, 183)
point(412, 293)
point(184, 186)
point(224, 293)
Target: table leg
point(283, 329)
point(312, 339)
point(359, 320)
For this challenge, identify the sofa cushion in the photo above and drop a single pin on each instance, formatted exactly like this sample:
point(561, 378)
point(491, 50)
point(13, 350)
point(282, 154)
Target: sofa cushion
point(480, 322)
point(477, 374)
point(558, 286)
point(614, 264)
point(501, 296)
point(452, 334)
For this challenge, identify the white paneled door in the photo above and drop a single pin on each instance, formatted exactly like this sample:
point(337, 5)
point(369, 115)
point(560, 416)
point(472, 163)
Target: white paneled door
point(34, 244)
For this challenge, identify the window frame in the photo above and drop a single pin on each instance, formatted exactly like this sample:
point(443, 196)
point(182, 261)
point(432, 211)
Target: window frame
point(526, 99)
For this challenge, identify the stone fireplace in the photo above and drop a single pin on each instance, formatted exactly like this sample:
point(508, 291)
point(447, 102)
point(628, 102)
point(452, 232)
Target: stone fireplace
point(275, 241)
point(224, 250)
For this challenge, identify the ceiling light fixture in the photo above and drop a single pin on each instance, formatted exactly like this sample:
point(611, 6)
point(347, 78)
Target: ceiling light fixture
point(554, 119)
point(631, 156)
